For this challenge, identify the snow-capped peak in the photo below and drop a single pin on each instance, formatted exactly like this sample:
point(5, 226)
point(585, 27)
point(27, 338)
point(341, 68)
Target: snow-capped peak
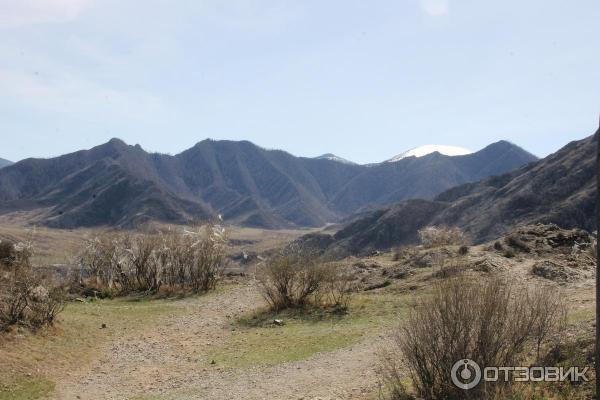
point(432, 148)
point(333, 157)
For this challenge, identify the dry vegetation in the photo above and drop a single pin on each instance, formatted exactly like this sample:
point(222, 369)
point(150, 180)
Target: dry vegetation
point(184, 261)
point(297, 278)
point(27, 297)
point(482, 320)
point(283, 334)
point(436, 236)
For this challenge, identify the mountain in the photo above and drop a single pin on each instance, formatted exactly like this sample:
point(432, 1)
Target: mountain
point(424, 177)
point(117, 184)
point(560, 189)
point(431, 148)
point(5, 163)
point(333, 157)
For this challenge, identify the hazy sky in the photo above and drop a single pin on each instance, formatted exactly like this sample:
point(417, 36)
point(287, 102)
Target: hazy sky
point(363, 79)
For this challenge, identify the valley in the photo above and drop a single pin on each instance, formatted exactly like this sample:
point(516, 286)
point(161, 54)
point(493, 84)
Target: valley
point(224, 344)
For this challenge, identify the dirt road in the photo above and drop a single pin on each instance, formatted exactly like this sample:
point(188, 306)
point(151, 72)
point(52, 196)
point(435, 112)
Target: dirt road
point(165, 362)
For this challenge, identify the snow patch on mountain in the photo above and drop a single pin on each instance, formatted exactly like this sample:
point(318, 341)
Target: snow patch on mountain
point(432, 148)
point(333, 157)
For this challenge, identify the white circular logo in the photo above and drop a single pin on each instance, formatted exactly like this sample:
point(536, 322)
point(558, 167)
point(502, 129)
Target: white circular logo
point(466, 374)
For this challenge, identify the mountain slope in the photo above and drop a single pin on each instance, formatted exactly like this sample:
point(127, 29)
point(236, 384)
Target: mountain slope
point(560, 189)
point(112, 184)
point(425, 177)
point(122, 185)
point(5, 163)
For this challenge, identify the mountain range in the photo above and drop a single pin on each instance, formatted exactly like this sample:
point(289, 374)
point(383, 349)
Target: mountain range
point(5, 163)
point(121, 185)
point(560, 189)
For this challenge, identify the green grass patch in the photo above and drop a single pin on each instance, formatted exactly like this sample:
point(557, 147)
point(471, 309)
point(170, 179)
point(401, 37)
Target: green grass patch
point(25, 388)
point(146, 397)
point(306, 332)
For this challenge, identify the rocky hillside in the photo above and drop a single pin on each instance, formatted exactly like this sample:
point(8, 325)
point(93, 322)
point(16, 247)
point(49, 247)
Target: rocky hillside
point(559, 189)
point(121, 185)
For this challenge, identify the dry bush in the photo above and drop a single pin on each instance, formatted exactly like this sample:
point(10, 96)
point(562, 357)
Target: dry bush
point(481, 320)
point(405, 253)
point(337, 287)
point(26, 297)
point(296, 277)
point(7, 253)
point(183, 261)
point(450, 268)
point(435, 236)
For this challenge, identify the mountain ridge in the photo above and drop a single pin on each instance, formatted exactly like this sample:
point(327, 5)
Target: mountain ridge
point(247, 184)
point(559, 189)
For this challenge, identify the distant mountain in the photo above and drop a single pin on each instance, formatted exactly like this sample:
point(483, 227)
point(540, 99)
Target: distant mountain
point(333, 157)
point(560, 189)
point(120, 185)
point(431, 148)
point(425, 177)
point(5, 163)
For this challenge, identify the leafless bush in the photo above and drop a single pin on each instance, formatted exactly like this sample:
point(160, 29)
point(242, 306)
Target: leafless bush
point(450, 268)
point(549, 312)
point(476, 319)
point(435, 236)
point(288, 279)
point(337, 287)
point(405, 253)
point(7, 253)
point(25, 297)
point(296, 277)
point(186, 260)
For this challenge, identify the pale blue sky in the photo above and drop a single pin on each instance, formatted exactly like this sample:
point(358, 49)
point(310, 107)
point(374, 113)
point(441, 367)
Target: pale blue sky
point(363, 79)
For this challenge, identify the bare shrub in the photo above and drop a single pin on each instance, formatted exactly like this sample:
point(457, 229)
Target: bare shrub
point(451, 268)
point(550, 314)
point(7, 253)
point(337, 287)
point(26, 297)
point(186, 260)
point(297, 277)
point(435, 236)
point(464, 318)
point(288, 279)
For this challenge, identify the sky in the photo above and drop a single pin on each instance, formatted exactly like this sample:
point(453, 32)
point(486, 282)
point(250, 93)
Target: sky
point(365, 80)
